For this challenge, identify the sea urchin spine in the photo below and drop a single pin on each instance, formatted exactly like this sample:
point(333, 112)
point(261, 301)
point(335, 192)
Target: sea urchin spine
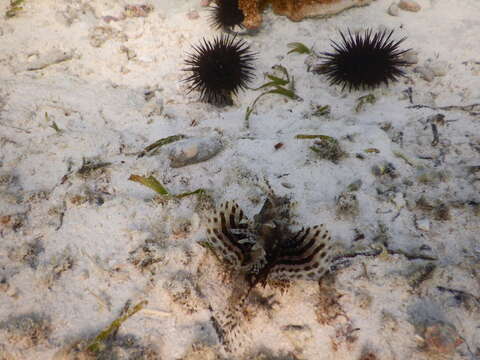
point(364, 61)
point(219, 69)
point(226, 15)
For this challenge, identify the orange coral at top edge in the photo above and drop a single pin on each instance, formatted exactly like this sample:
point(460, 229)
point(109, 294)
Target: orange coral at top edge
point(295, 10)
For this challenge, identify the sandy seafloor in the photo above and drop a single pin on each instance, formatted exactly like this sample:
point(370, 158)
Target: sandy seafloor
point(76, 246)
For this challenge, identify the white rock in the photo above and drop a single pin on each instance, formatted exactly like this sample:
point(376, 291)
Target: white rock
point(393, 10)
point(426, 73)
point(409, 5)
point(423, 224)
point(399, 200)
point(439, 68)
point(410, 56)
point(195, 221)
point(12, 291)
point(194, 150)
point(287, 185)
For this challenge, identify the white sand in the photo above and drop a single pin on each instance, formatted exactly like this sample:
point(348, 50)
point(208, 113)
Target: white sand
point(80, 274)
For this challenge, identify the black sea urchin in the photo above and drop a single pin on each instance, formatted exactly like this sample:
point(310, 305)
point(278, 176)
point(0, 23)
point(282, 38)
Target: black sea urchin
point(220, 68)
point(364, 61)
point(226, 15)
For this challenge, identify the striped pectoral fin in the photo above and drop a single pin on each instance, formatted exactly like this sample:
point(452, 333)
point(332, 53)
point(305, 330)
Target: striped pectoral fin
point(308, 255)
point(220, 224)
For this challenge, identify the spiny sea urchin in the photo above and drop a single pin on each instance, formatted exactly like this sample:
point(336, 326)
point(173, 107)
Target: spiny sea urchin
point(220, 68)
point(226, 15)
point(364, 61)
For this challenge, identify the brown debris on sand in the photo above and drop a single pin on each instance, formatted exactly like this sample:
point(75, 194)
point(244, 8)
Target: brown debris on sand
point(295, 10)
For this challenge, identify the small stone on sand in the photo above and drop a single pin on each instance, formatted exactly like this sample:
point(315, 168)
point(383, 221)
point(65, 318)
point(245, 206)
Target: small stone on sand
point(409, 5)
point(194, 150)
point(425, 72)
point(394, 10)
point(423, 224)
point(439, 68)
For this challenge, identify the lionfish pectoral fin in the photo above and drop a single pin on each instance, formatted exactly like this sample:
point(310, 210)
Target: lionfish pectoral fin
point(223, 227)
point(308, 256)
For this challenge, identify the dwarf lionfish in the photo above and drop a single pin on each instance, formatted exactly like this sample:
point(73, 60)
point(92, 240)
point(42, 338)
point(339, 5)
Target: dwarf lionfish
point(265, 248)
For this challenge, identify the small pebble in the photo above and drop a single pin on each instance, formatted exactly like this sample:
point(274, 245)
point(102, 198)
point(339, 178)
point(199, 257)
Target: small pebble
point(399, 201)
point(194, 150)
point(409, 5)
point(423, 224)
point(394, 10)
point(425, 72)
point(4, 286)
point(195, 222)
point(439, 68)
point(129, 52)
point(12, 291)
point(287, 185)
